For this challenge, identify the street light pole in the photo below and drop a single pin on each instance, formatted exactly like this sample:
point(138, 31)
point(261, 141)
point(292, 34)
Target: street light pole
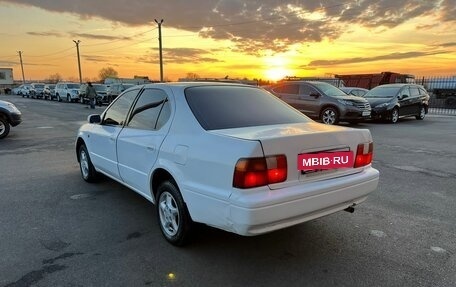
point(79, 60)
point(160, 47)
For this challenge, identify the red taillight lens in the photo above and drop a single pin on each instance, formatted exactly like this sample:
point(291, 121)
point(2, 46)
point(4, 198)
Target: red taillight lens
point(364, 154)
point(259, 171)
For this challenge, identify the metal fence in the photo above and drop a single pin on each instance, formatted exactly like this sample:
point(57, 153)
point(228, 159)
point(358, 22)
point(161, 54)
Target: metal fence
point(443, 94)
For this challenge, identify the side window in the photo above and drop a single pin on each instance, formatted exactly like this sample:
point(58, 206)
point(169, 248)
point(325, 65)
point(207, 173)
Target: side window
point(405, 92)
point(117, 112)
point(307, 90)
point(423, 91)
point(414, 92)
point(148, 109)
point(292, 89)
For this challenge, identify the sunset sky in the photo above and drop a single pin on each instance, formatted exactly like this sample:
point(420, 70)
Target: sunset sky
point(252, 39)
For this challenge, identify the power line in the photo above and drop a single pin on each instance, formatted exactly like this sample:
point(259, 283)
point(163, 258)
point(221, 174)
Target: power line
point(122, 39)
point(51, 54)
point(119, 47)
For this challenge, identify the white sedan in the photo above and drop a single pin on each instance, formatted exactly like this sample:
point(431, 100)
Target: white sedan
point(227, 155)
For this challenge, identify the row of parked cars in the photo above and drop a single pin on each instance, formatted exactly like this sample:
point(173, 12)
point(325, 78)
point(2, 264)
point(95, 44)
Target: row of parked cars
point(330, 104)
point(70, 92)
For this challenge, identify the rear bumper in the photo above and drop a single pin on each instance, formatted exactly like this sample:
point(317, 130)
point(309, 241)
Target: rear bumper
point(301, 203)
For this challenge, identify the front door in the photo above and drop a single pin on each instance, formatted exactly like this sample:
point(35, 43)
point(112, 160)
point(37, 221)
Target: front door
point(103, 139)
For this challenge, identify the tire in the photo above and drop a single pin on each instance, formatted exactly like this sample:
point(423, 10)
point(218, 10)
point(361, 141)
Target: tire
point(4, 127)
point(86, 167)
point(421, 114)
point(58, 98)
point(173, 217)
point(329, 116)
point(394, 116)
point(69, 99)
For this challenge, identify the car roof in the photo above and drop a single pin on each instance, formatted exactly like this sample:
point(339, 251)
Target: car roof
point(195, 84)
point(352, 88)
point(398, 85)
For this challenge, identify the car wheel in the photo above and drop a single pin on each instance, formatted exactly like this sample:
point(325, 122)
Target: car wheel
point(394, 117)
point(174, 219)
point(329, 116)
point(88, 171)
point(4, 128)
point(69, 99)
point(59, 99)
point(421, 114)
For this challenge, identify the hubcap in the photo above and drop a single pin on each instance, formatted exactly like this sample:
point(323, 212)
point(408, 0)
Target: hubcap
point(169, 214)
point(84, 161)
point(2, 128)
point(422, 112)
point(329, 117)
point(395, 116)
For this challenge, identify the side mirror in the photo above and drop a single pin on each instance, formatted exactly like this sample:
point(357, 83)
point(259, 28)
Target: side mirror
point(315, 95)
point(403, 97)
point(94, 119)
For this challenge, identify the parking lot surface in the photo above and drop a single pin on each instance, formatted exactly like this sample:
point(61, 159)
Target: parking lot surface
point(57, 230)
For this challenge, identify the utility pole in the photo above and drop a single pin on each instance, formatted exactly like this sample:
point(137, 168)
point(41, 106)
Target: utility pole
point(22, 66)
point(160, 47)
point(79, 60)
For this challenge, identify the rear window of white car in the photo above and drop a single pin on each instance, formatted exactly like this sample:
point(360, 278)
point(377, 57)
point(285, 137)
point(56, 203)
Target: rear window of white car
point(225, 107)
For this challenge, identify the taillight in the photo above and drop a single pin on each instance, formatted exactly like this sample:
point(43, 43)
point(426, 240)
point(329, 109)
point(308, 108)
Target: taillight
point(364, 154)
point(259, 171)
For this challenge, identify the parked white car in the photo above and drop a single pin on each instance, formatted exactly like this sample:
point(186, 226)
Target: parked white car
point(230, 156)
point(67, 92)
point(24, 90)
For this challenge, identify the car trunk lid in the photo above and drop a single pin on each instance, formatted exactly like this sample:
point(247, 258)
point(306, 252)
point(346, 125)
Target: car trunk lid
point(293, 140)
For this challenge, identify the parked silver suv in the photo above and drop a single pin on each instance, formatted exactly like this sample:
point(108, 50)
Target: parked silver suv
point(67, 91)
point(322, 101)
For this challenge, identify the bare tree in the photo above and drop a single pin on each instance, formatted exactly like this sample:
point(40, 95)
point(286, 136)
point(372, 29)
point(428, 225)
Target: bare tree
point(192, 76)
point(107, 72)
point(54, 78)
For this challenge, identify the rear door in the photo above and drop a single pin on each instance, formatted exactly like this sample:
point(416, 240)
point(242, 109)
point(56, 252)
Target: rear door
point(405, 101)
point(288, 93)
point(139, 142)
point(415, 100)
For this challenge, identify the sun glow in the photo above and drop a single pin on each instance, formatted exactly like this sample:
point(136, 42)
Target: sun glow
point(276, 74)
point(276, 68)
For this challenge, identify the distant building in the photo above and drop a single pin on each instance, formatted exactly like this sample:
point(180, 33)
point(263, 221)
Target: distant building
point(221, 80)
point(6, 80)
point(137, 80)
point(6, 76)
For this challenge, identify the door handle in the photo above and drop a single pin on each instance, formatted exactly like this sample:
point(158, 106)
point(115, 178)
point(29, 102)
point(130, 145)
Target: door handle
point(150, 148)
point(112, 139)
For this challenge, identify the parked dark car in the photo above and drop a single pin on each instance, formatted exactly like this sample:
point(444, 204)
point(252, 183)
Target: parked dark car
point(116, 89)
point(101, 90)
point(37, 90)
point(392, 101)
point(322, 101)
point(49, 92)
